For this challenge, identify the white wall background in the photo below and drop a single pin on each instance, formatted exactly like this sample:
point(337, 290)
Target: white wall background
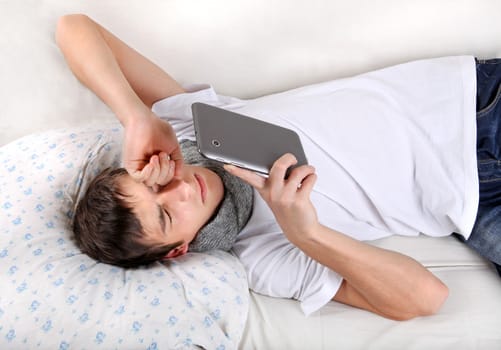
point(244, 48)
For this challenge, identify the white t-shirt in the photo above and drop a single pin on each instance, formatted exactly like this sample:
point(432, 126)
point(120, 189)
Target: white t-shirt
point(394, 151)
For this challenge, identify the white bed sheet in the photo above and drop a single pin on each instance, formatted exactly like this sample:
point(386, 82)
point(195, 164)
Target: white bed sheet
point(469, 319)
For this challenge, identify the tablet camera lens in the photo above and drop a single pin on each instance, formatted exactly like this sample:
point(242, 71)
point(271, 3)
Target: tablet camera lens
point(216, 143)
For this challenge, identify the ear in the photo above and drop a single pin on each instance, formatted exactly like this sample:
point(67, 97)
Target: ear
point(178, 251)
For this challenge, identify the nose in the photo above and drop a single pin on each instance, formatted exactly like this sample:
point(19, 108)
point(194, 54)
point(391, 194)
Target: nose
point(176, 190)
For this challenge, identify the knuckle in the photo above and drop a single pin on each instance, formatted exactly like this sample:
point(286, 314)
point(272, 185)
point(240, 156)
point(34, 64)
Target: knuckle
point(281, 166)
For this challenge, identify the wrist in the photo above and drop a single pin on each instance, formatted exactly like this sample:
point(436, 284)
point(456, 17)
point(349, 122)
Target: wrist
point(134, 114)
point(307, 236)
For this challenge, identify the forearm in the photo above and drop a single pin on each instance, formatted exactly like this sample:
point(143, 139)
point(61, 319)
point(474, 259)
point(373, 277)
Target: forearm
point(390, 283)
point(382, 281)
point(93, 63)
point(129, 84)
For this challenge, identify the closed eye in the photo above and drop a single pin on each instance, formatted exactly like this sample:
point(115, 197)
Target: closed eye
point(161, 217)
point(168, 215)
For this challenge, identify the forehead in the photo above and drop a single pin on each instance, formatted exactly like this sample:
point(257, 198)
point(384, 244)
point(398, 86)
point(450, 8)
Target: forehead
point(143, 204)
point(130, 187)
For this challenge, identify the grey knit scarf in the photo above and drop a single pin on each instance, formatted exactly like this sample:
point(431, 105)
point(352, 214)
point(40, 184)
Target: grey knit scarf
point(232, 214)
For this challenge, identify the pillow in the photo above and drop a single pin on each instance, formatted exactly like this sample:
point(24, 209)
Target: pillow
point(55, 297)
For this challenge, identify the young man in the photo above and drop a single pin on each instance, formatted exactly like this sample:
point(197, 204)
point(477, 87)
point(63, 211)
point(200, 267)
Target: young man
point(394, 152)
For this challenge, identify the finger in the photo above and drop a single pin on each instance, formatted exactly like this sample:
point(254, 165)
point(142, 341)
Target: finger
point(255, 180)
point(178, 167)
point(278, 171)
point(297, 176)
point(171, 171)
point(134, 166)
point(165, 165)
point(279, 168)
point(152, 179)
point(307, 185)
point(294, 181)
point(142, 175)
point(177, 157)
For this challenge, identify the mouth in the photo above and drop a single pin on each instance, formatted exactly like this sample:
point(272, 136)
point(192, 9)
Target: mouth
point(203, 187)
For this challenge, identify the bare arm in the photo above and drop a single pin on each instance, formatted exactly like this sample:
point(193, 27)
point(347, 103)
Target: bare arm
point(123, 78)
point(384, 282)
point(129, 84)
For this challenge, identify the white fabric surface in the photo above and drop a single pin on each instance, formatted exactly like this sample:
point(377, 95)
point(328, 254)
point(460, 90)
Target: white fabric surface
point(249, 49)
point(243, 48)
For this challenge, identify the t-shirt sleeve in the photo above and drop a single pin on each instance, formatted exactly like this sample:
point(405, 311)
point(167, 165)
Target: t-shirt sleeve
point(176, 109)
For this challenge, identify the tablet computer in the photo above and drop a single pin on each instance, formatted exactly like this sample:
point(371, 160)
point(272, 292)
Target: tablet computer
point(243, 141)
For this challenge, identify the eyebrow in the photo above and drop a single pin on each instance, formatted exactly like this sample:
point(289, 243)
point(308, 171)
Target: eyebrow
point(161, 217)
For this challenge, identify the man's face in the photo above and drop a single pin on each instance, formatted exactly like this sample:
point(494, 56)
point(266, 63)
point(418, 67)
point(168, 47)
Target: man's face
point(178, 210)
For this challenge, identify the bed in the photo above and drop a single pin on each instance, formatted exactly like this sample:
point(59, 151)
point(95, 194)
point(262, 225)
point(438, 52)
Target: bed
point(55, 135)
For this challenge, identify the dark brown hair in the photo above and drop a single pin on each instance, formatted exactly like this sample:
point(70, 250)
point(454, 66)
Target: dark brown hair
point(107, 229)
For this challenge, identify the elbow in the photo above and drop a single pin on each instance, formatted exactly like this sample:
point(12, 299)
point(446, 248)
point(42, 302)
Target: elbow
point(427, 301)
point(66, 26)
point(434, 297)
